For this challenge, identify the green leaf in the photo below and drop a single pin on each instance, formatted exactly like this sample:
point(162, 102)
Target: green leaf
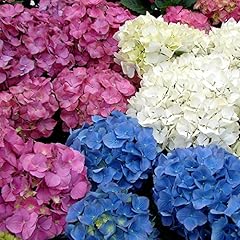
point(135, 5)
point(189, 3)
point(161, 4)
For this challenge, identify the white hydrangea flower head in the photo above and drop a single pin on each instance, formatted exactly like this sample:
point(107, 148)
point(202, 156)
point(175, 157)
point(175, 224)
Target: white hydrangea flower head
point(227, 40)
point(191, 101)
point(146, 41)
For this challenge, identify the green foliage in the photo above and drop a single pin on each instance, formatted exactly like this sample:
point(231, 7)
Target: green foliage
point(163, 4)
point(159, 6)
point(137, 6)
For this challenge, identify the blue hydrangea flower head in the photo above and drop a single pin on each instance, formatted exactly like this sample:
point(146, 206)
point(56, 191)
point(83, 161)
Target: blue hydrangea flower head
point(197, 189)
point(110, 213)
point(117, 149)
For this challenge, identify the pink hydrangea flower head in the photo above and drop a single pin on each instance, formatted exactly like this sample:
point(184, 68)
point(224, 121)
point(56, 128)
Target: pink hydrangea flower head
point(177, 14)
point(83, 93)
point(33, 107)
point(43, 181)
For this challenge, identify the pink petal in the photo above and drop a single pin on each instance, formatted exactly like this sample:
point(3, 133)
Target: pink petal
point(15, 223)
point(45, 222)
point(52, 180)
point(79, 190)
point(7, 194)
point(111, 95)
point(29, 226)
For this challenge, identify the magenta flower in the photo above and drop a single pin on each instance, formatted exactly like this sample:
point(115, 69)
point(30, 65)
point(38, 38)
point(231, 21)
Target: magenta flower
point(83, 93)
point(38, 183)
point(56, 35)
point(30, 106)
point(180, 15)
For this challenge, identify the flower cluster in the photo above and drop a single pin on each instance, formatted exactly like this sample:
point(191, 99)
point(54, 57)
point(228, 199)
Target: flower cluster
point(38, 183)
point(40, 41)
point(148, 41)
point(83, 93)
point(30, 106)
point(31, 42)
point(226, 40)
point(192, 101)
point(197, 190)
point(39, 45)
point(218, 10)
point(109, 213)
point(184, 16)
point(6, 130)
point(117, 149)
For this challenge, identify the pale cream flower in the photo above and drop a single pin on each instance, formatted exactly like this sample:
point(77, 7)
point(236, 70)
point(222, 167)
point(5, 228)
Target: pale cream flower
point(190, 101)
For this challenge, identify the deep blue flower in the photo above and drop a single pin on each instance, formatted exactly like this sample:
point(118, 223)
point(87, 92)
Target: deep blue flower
point(201, 198)
point(93, 140)
point(174, 168)
point(110, 213)
point(222, 229)
point(191, 218)
point(117, 149)
point(74, 212)
point(233, 205)
point(195, 188)
point(140, 204)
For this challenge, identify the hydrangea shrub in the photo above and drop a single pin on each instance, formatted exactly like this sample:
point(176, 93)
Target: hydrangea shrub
point(190, 101)
point(110, 213)
point(226, 40)
point(59, 34)
point(37, 47)
point(30, 107)
point(147, 41)
point(85, 92)
point(38, 183)
point(197, 191)
point(117, 149)
point(177, 14)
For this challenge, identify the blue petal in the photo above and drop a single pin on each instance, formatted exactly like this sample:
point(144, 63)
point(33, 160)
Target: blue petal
point(217, 229)
point(122, 221)
point(202, 198)
point(97, 118)
point(124, 131)
point(214, 163)
point(124, 210)
point(233, 177)
point(164, 202)
point(131, 148)
point(140, 204)
point(202, 173)
point(74, 211)
point(191, 218)
point(174, 168)
point(233, 205)
point(92, 140)
point(78, 232)
point(180, 201)
point(97, 175)
point(108, 229)
point(111, 141)
point(139, 222)
point(73, 135)
point(145, 164)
